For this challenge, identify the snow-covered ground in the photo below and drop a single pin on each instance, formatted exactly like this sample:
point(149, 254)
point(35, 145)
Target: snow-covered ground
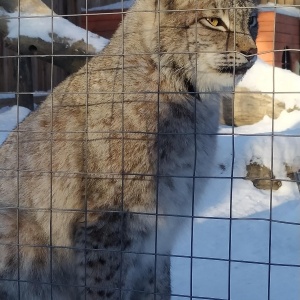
point(265, 256)
point(245, 257)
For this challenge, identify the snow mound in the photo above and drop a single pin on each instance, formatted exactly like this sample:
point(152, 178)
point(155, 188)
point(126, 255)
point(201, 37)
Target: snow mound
point(283, 85)
point(43, 26)
point(9, 118)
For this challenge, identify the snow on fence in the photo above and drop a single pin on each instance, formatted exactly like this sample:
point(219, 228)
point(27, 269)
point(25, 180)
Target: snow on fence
point(41, 72)
point(243, 240)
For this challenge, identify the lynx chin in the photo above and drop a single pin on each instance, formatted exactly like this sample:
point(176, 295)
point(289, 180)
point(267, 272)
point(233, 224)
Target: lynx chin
point(92, 182)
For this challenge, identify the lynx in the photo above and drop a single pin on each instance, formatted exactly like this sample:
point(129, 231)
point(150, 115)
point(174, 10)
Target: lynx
point(95, 184)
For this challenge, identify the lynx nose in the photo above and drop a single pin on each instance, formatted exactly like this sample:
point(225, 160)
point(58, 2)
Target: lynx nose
point(250, 54)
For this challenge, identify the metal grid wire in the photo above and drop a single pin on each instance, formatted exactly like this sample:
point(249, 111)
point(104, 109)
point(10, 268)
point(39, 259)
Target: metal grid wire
point(86, 175)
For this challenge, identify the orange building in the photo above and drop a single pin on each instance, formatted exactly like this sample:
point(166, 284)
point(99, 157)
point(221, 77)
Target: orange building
point(279, 28)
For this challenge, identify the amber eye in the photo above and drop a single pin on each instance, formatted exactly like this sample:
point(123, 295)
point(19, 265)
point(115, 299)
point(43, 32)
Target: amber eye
point(214, 21)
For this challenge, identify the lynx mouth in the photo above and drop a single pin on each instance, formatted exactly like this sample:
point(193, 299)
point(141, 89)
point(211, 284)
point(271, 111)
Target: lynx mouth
point(237, 70)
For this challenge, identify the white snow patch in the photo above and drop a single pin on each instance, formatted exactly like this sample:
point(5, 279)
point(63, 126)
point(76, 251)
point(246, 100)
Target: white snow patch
point(42, 26)
point(10, 116)
point(291, 11)
point(11, 95)
point(264, 78)
point(7, 95)
point(251, 231)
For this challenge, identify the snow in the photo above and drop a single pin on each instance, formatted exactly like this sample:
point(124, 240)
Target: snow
point(291, 11)
point(42, 26)
point(11, 95)
point(255, 142)
point(250, 232)
point(7, 95)
point(232, 222)
point(8, 119)
point(264, 78)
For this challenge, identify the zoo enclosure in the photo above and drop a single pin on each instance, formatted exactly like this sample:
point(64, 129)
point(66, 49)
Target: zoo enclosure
point(53, 76)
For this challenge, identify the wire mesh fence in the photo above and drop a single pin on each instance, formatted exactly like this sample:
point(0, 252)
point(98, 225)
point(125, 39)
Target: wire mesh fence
point(165, 165)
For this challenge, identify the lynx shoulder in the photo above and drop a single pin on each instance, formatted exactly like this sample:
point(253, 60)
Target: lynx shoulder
point(91, 183)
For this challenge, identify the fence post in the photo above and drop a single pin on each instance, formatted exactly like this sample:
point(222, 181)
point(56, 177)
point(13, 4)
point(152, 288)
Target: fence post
point(286, 58)
point(24, 96)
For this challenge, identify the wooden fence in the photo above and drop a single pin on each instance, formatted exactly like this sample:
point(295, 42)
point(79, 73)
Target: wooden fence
point(44, 77)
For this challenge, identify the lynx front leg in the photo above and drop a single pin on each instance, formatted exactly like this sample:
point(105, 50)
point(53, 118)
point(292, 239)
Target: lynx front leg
point(163, 279)
point(101, 260)
point(110, 262)
point(22, 267)
point(153, 283)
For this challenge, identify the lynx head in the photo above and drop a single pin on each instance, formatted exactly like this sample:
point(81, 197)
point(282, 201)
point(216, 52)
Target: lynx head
point(209, 42)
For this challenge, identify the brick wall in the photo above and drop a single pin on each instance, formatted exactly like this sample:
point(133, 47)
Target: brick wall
point(276, 31)
point(103, 23)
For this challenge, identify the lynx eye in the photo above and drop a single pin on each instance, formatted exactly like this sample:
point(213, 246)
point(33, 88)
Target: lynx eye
point(215, 22)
